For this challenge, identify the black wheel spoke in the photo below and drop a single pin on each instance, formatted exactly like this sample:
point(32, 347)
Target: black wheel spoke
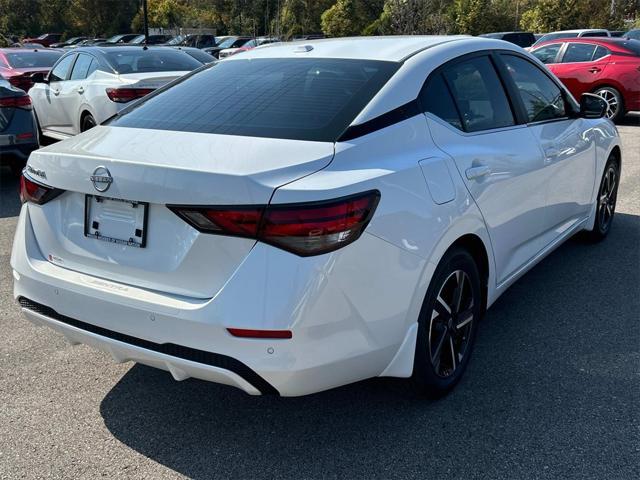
point(451, 321)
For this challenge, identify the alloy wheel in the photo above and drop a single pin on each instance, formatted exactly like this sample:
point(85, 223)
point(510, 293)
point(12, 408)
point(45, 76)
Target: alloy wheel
point(451, 323)
point(607, 198)
point(612, 102)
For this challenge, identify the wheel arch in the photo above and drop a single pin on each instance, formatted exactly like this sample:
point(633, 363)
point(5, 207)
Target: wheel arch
point(479, 246)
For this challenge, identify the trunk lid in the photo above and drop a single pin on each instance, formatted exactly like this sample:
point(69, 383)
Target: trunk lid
point(150, 79)
point(162, 168)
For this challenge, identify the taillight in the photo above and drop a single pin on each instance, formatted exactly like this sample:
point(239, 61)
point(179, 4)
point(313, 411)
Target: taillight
point(34, 192)
point(124, 95)
point(301, 228)
point(23, 81)
point(23, 101)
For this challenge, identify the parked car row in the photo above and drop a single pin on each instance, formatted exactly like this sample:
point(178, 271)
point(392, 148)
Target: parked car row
point(70, 91)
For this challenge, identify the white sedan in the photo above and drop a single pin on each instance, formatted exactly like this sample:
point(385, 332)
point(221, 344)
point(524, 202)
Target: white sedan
point(308, 215)
point(90, 84)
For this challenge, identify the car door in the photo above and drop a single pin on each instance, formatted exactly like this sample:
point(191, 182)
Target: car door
point(48, 109)
point(565, 140)
point(71, 95)
point(471, 119)
point(581, 65)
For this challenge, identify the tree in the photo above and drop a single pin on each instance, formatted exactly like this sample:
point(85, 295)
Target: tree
point(350, 17)
point(411, 17)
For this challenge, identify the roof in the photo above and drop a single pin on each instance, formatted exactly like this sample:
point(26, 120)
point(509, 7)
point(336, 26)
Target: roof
point(580, 30)
point(118, 47)
point(390, 48)
point(29, 49)
point(621, 42)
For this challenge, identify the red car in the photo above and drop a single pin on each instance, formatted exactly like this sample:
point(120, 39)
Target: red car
point(18, 64)
point(609, 67)
point(46, 39)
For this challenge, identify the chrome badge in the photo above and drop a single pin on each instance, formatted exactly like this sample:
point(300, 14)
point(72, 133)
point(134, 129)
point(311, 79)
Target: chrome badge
point(101, 179)
point(37, 172)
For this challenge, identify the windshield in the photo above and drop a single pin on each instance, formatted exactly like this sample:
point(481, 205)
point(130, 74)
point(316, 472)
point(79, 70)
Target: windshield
point(150, 60)
point(38, 59)
point(553, 36)
point(301, 98)
point(177, 40)
point(228, 42)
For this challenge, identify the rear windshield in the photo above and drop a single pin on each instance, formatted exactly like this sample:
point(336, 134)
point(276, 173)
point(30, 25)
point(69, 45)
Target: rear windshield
point(294, 98)
point(151, 60)
point(32, 59)
point(631, 45)
point(553, 36)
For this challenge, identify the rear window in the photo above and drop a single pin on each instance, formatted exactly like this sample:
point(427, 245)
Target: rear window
point(554, 36)
point(38, 59)
point(151, 60)
point(632, 45)
point(293, 98)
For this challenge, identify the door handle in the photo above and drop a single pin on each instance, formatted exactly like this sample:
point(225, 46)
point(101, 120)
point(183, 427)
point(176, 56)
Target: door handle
point(55, 91)
point(595, 69)
point(480, 171)
point(80, 90)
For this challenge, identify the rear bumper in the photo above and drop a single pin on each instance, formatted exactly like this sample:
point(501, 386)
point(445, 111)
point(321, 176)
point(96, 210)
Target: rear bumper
point(181, 362)
point(348, 319)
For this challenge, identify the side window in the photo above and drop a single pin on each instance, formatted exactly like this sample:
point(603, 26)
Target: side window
point(435, 98)
point(547, 54)
point(600, 52)
point(479, 95)
point(61, 70)
point(81, 67)
point(578, 52)
point(542, 98)
point(595, 34)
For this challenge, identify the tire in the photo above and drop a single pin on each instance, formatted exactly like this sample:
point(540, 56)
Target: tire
point(437, 370)
point(606, 201)
point(88, 122)
point(615, 110)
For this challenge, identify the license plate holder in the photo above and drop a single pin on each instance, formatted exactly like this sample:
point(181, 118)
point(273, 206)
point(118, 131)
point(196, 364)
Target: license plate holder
point(123, 222)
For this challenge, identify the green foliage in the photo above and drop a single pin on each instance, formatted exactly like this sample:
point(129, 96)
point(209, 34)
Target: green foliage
point(333, 17)
point(350, 17)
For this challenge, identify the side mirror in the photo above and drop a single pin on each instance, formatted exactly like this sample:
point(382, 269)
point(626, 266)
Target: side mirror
point(592, 106)
point(39, 77)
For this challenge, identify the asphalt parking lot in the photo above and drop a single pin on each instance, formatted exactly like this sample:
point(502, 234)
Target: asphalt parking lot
point(553, 391)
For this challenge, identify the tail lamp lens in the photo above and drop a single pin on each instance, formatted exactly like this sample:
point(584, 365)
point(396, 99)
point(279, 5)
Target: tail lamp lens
point(23, 101)
point(302, 228)
point(124, 95)
point(37, 193)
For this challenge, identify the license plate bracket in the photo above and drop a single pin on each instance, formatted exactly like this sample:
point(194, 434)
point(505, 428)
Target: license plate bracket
point(123, 222)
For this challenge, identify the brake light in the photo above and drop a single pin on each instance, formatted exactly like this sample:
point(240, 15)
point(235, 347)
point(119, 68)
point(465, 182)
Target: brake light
point(23, 101)
point(22, 81)
point(37, 193)
point(124, 95)
point(302, 228)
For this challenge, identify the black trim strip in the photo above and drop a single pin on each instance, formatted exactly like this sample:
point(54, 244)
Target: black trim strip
point(403, 112)
point(171, 349)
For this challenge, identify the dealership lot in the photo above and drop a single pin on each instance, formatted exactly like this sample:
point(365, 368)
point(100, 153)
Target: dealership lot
point(553, 391)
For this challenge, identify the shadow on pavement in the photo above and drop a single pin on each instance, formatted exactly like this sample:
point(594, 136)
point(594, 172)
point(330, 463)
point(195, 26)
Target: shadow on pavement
point(551, 392)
